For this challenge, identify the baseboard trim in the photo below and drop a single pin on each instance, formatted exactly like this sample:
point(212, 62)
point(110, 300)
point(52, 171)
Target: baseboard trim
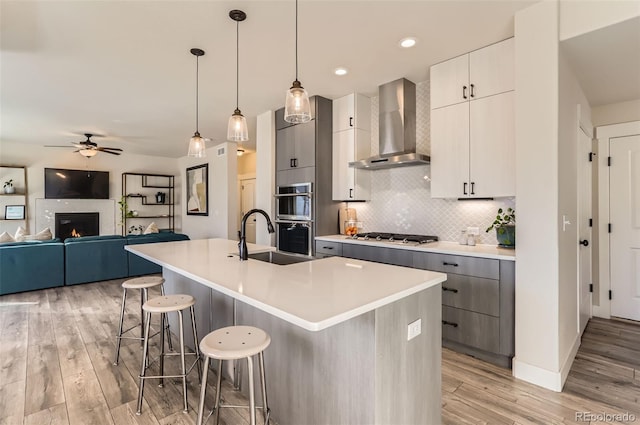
point(546, 378)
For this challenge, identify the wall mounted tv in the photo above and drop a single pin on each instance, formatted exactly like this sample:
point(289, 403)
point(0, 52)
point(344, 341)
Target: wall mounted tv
point(75, 184)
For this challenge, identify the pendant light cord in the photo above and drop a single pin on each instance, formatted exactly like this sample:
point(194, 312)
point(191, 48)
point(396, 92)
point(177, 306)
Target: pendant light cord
point(197, 91)
point(296, 40)
point(237, 62)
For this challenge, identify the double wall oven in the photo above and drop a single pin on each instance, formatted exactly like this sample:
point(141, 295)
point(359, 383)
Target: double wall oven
point(294, 218)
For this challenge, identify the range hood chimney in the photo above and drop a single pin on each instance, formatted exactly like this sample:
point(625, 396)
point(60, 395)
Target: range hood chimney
point(397, 128)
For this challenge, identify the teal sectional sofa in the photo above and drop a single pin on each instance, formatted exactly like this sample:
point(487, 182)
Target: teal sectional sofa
point(27, 266)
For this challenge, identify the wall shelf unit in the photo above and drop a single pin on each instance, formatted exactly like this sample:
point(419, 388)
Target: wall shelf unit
point(18, 175)
point(139, 190)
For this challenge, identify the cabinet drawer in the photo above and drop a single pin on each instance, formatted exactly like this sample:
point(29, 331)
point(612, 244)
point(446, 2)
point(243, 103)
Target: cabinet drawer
point(470, 266)
point(329, 248)
point(396, 257)
point(472, 293)
point(469, 328)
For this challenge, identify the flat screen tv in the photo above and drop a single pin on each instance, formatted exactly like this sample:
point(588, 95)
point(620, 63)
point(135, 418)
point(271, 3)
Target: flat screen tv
point(75, 184)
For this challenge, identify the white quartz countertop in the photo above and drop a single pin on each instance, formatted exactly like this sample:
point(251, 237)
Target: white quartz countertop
point(313, 295)
point(441, 247)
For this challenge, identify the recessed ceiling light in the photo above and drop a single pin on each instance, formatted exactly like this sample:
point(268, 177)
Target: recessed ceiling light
point(408, 42)
point(340, 71)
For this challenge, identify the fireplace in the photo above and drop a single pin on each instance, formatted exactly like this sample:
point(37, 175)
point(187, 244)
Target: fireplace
point(73, 225)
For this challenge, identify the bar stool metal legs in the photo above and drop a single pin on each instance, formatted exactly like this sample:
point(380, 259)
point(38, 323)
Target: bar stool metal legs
point(164, 305)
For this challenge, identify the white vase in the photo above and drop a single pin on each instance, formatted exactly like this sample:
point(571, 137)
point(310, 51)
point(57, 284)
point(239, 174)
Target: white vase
point(9, 189)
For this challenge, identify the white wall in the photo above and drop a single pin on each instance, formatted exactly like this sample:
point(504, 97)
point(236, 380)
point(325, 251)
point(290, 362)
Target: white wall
point(580, 17)
point(37, 158)
point(265, 173)
point(616, 113)
point(537, 357)
point(222, 221)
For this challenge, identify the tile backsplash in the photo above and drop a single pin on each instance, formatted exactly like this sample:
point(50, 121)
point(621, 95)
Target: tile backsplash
point(401, 197)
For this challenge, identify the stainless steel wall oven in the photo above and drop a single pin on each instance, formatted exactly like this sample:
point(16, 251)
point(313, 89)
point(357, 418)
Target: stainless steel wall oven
point(294, 218)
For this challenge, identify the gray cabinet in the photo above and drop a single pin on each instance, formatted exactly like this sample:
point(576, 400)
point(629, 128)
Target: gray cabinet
point(295, 146)
point(478, 297)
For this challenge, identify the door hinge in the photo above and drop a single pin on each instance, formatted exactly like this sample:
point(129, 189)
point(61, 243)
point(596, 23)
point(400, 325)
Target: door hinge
point(590, 222)
point(610, 294)
point(591, 155)
point(608, 161)
point(591, 287)
point(609, 227)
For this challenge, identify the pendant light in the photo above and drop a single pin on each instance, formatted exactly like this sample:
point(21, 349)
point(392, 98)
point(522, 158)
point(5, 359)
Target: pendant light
point(296, 106)
point(237, 128)
point(196, 144)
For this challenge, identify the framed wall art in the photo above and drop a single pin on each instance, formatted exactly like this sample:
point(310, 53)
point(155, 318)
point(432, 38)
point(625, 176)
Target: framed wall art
point(198, 190)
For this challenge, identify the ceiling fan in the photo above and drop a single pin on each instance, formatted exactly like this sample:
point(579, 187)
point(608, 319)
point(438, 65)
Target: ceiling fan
point(89, 148)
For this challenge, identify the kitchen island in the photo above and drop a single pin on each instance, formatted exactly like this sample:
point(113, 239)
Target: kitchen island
point(340, 351)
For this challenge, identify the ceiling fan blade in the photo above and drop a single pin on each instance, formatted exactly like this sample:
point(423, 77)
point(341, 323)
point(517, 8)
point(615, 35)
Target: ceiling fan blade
point(112, 153)
point(111, 149)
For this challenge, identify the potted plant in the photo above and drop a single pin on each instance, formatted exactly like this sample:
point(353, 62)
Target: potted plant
point(505, 225)
point(8, 186)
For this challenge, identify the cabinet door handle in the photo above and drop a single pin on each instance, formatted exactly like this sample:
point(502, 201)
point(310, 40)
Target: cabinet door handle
point(455, 291)
point(472, 188)
point(471, 94)
point(350, 121)
point(464, 188)
point(444, 263)
point(327, 247)
point(464, 92)
point(444, 322)
point(350, 193)
point(291, 163)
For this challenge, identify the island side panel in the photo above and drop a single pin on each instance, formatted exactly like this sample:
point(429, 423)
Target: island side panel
point(408, 373)
point(324, 377)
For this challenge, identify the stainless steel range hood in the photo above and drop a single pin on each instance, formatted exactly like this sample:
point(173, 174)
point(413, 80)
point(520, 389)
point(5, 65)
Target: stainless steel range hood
point(397, 125)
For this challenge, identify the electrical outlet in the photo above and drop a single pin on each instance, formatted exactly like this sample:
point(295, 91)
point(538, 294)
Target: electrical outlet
point(473, 231)
point(414, 329)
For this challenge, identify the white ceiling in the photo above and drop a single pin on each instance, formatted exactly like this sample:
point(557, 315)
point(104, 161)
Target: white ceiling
point(607, 62)
point(123, 68)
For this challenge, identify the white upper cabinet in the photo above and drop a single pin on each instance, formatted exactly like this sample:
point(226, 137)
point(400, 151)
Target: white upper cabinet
point(491, 70)
point(450, 82)
point(351, 142)
point(472, 134)
point(352, 111)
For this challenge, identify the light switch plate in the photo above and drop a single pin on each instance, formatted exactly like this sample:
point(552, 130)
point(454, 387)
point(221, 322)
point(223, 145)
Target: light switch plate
point(414, 329)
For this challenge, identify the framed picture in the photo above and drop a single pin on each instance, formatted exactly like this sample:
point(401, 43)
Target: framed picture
point(198, 190)
point(14, 212)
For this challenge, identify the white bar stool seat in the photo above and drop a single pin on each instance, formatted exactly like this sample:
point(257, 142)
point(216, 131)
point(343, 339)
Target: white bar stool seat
point(169, 304)
point(234, 343)
point(142, 283)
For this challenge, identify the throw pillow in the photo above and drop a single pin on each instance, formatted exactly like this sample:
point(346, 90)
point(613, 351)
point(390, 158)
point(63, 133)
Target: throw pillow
point(5, 237)
point(152, 228)
point(43, 235)
point(20, 234)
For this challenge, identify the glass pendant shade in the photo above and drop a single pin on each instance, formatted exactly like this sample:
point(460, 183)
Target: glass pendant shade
point(297, 108)
point(196, 146)
point(237, 129)
point(88, 152)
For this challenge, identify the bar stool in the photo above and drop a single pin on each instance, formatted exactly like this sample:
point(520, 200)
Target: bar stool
point(163, 305)
point(143, 284)
point(235, 343)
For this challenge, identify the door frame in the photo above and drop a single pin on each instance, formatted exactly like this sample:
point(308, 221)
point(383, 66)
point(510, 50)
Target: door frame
point(604, 135)
point(585, 127)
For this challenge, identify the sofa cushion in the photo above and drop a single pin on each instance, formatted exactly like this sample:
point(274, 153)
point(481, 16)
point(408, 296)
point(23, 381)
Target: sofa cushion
point(152, 228)
point(16, 243)
point(94, 260)
point(28, 266)
point(5, 237)
point(93, 238)
point(43, 235)
point(20, 234)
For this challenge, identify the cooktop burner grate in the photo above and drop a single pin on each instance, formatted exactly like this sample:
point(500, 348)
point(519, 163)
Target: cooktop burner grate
point(395, 237)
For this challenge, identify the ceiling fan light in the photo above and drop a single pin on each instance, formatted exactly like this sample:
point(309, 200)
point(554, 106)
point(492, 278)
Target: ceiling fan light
point(197, 146)
point(88, 152)
point(297, 108)
point(237, 129)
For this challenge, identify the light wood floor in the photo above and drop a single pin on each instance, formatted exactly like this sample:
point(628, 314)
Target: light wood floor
point(56, 354)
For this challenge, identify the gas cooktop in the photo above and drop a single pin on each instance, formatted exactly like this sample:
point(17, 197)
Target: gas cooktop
point(395, 237)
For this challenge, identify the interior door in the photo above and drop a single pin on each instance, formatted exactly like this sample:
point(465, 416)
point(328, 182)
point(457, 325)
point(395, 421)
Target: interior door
point(247, 202)
point(624, 213)
point(584, 230)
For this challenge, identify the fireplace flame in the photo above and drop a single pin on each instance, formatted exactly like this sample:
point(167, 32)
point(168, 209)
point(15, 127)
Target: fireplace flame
point(75, 234)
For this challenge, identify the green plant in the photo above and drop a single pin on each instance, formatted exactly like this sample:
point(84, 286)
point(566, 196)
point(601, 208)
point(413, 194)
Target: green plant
point(8, 183)
point(124, 209)
point(503, 219)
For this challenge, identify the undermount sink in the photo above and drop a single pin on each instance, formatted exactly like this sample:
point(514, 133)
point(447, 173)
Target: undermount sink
point(279, 258)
